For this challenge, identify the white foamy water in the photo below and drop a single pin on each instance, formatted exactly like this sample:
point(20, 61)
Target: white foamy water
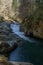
point(16, 29)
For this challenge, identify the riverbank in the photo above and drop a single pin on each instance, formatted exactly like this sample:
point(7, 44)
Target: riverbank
point(14, 63)
point(31, 32)
point(21, 63)
point(27, 51)
point(4, 61)
point(9, 41)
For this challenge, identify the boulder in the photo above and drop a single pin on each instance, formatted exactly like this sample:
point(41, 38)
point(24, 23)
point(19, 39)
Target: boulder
point(7, 42)
point(6, 49)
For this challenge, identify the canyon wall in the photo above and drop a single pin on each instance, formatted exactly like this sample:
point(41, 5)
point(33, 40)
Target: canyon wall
point(28, 12)
point(17, 9)
point(5, 8)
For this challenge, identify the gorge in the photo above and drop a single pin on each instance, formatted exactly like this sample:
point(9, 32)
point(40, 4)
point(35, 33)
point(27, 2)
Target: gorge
point(31, 18)
point(18, 20)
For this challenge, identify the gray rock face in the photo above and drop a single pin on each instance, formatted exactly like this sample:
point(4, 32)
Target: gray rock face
point(6, 49)
point(7, 42)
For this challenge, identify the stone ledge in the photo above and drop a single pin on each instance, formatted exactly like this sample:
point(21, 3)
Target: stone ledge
point(21, 63)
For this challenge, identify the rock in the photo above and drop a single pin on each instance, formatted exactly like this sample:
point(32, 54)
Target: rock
point(6, 49)
point(7, 42)
point(3, 58)
point(21, 63)
point(5, 63)
point(30, 34)
point(13, 47)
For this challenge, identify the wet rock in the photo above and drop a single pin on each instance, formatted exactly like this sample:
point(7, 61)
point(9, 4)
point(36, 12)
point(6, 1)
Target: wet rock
point(6, 49)
point(7, 39)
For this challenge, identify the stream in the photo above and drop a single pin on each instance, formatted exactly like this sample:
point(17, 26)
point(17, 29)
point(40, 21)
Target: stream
point(31, 51)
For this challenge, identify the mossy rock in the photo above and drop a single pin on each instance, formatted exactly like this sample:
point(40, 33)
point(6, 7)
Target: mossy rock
point(3, 58)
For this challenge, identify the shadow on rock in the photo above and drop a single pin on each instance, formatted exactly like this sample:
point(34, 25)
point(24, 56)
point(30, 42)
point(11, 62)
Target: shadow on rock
point(6, 49)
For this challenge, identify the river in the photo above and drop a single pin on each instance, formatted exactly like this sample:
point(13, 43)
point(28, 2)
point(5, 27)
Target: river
point(31, 51)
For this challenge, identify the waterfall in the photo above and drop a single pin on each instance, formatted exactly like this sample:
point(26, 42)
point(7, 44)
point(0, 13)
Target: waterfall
point(16, 30)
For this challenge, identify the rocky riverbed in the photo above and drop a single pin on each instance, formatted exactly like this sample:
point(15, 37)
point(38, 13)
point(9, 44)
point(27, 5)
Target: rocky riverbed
point(8, 40)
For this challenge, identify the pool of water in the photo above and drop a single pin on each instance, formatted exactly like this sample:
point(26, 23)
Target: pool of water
point(29, 51)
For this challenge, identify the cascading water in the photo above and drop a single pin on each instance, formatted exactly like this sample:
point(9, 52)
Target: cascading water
point(16, 29)
point(29, 52)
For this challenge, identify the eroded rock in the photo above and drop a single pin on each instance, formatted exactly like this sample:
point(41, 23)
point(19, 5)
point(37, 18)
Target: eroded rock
point(7, 42)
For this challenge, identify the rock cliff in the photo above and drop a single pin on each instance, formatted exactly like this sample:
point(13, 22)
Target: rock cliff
point(27, 12)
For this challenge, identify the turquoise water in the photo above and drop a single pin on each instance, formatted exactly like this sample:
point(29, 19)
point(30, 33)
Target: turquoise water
point(31, 51)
